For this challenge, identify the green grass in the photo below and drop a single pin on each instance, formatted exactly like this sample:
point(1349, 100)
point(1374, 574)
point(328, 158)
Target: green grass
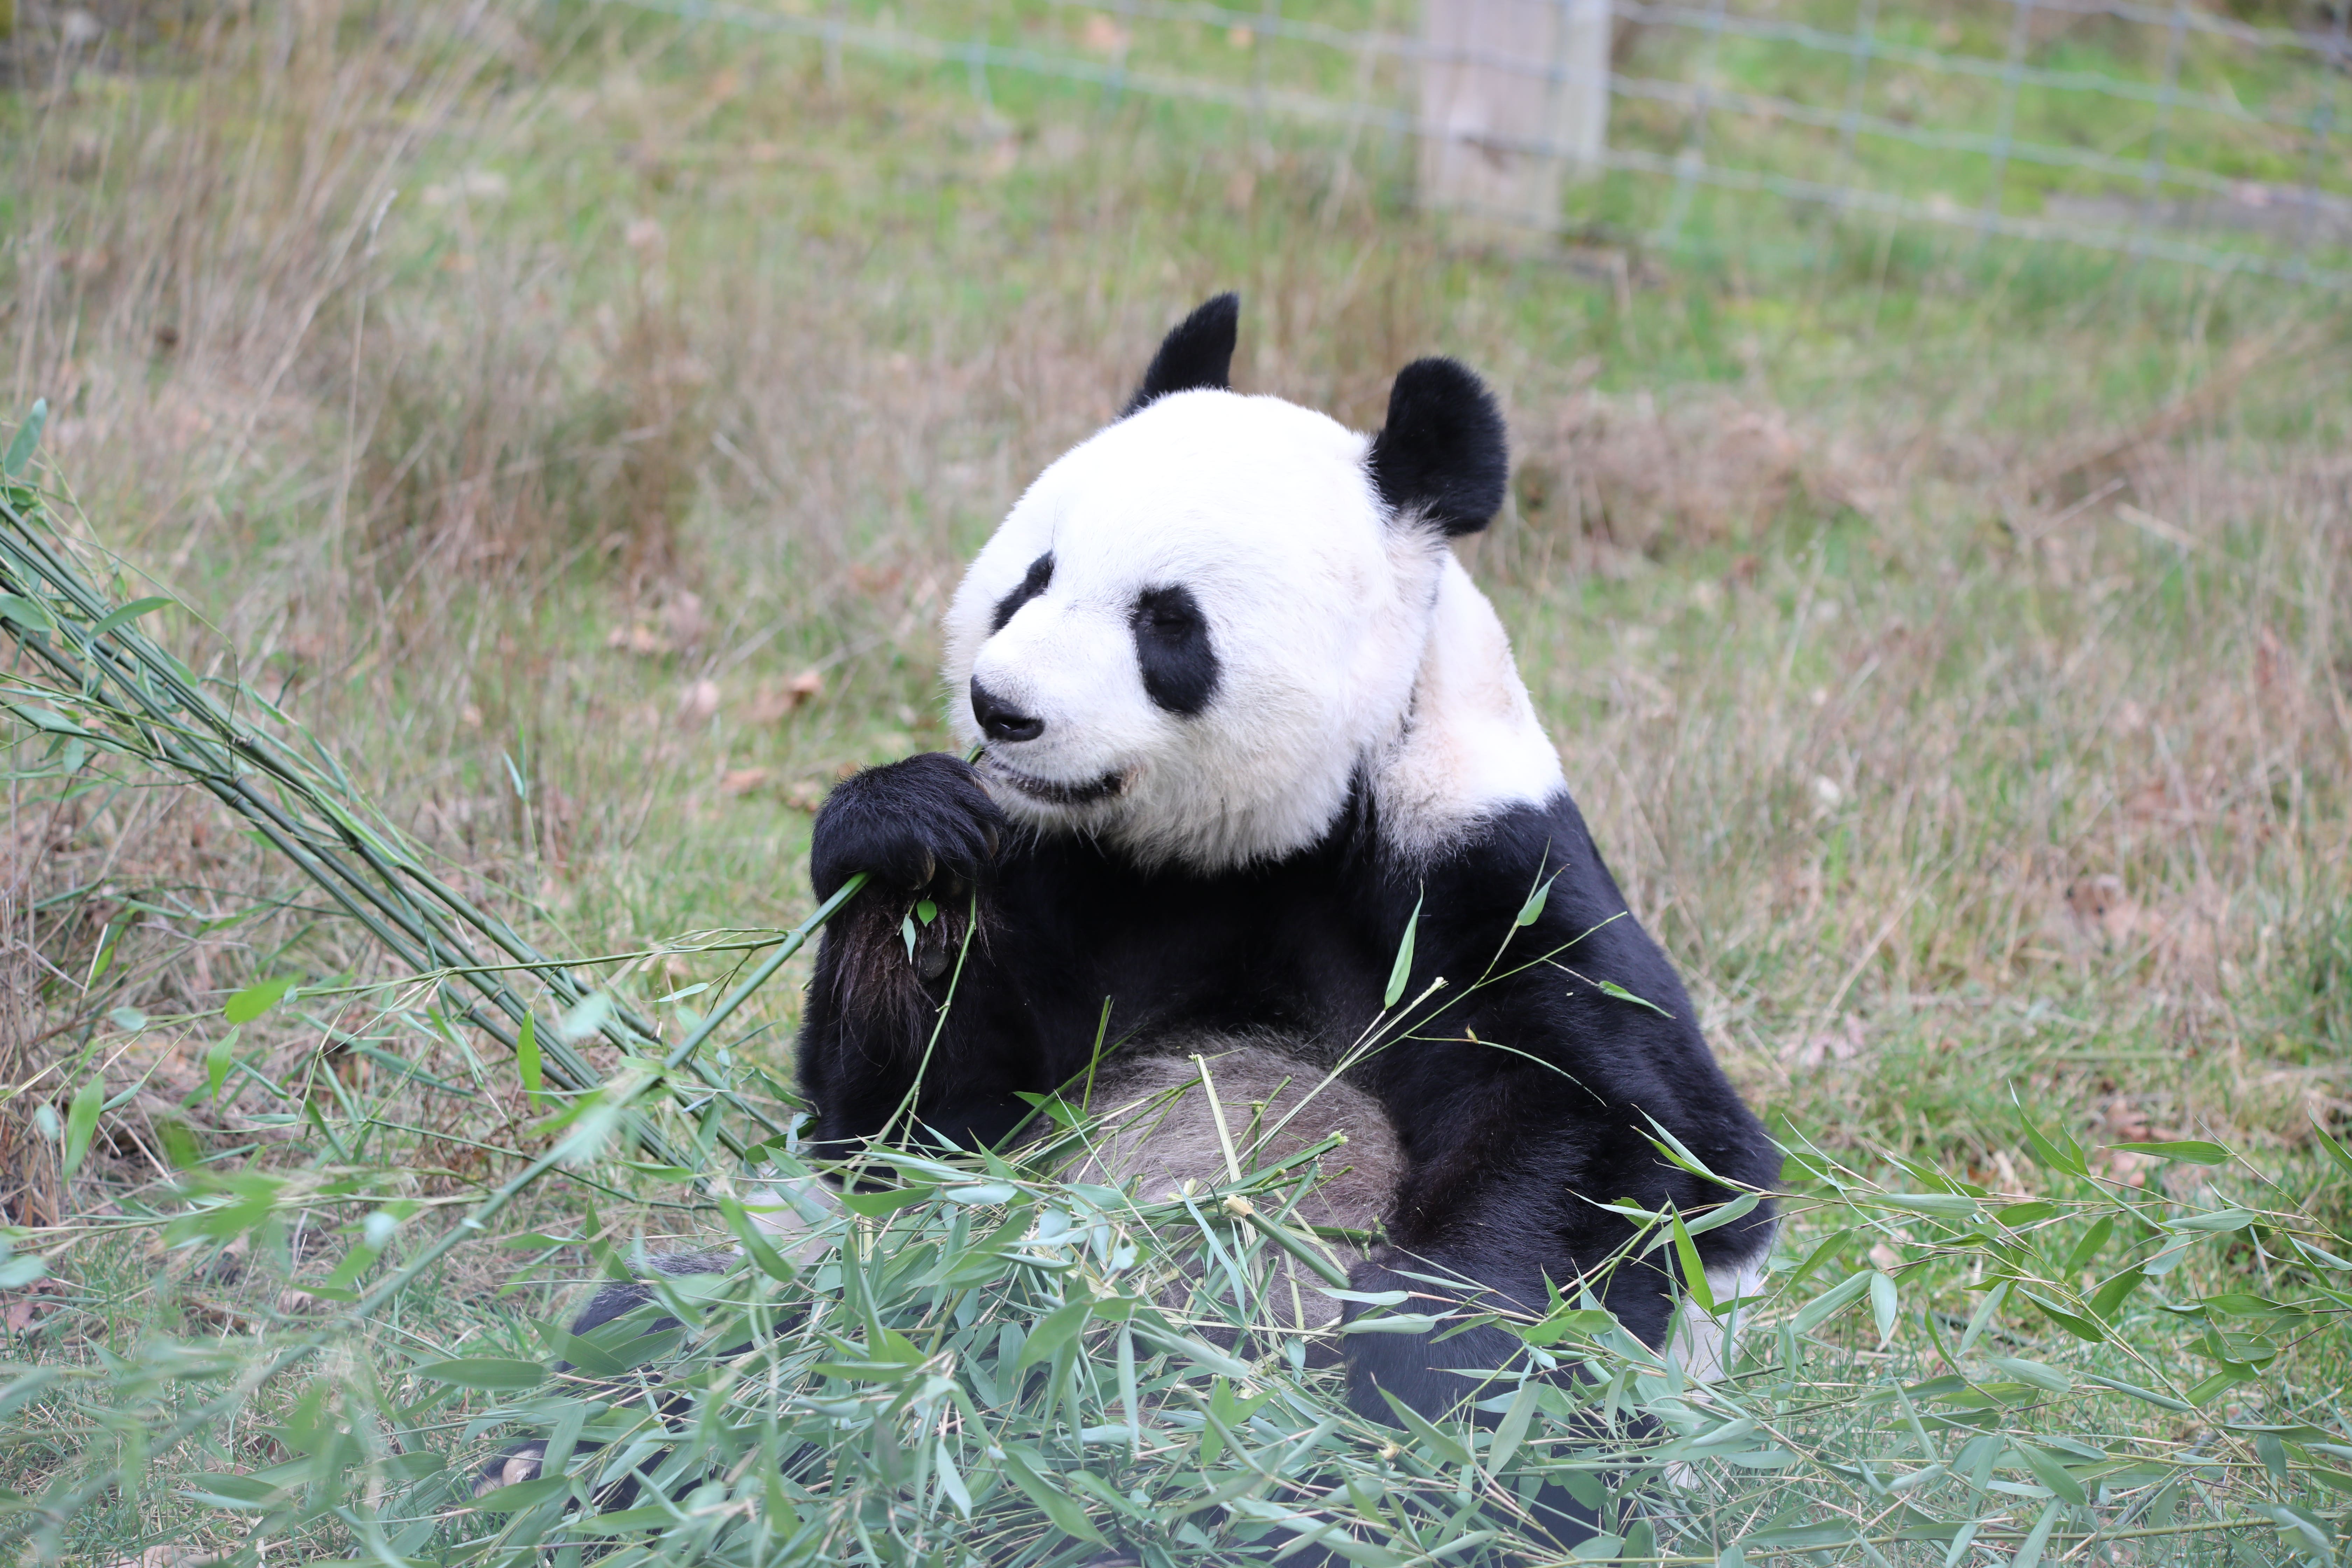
point(1880, 586)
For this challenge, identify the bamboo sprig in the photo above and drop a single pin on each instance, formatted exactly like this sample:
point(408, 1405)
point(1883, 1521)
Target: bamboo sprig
point(136, 698)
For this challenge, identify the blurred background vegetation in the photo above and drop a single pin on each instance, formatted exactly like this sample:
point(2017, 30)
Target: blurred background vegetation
point(576, 414)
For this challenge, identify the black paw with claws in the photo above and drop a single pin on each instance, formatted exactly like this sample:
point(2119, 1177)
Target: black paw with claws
point(906, 823)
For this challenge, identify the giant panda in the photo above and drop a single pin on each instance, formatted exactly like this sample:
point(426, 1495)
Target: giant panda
point(1243, 722)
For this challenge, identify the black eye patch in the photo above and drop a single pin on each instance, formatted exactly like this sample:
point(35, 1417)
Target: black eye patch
point(1172, 647)
point(1041, 572)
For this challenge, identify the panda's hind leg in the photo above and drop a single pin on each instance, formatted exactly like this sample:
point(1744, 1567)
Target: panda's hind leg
point(523, 1461)
point(1155, 1126)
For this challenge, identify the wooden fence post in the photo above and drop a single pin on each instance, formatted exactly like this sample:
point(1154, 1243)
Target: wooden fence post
point(1514, 99)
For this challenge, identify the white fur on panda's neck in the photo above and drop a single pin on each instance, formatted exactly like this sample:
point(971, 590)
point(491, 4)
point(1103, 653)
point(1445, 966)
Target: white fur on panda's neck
point(1354, 645)
point(1471, 746)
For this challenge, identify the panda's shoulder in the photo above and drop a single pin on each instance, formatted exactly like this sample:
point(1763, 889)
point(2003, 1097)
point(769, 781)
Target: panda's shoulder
point(1472, 758)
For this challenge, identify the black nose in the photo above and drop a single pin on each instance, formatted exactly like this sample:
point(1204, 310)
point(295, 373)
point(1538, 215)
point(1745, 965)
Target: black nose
point(998, 721)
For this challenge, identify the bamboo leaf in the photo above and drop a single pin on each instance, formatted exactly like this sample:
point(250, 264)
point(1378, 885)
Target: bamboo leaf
point(2109, 1298)
point(1610, 988)
point(1883, 1304)
point(527, 1060)
point(2038, 1374)
point(1827, 1305)
point(2052, 1473)
point(2161, 1400)
point(1060, 1327)
point(2089, 1247)
point(1695, 1278)
point(523, 1495)
point(2030, 1554)
point(2074, 1324)
point(257, 998)
point(764, 1256)
point(128, 613)
point(490, 1373)
point(2334, 1150)
point(1447, 1448)
point(27, 436)
point(1512, 1429)
point(1330, 1272)
point(2060, 1154)
point(217, 1062)
point(1068, 1516)
point(1737, 1208)
point(1401, 971)
point(82, 1122)
point(25, 613)
point(1532, 910)
point(2193, 1152)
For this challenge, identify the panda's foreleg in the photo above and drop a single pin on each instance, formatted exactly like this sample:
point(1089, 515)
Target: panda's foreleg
point(877, 1057)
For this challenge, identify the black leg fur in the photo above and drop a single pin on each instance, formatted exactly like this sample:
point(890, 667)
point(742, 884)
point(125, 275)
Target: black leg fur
point(520, 1462)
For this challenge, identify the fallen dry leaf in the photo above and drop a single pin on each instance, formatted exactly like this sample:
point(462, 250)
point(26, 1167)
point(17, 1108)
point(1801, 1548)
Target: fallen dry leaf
point(639, 639)
point(2101, 911)
point(220, 1314)
point(683, 620)
point(173, 1554)
point(699, 702)
point(743, 780)
point(1842, 1043)
point(776, 702)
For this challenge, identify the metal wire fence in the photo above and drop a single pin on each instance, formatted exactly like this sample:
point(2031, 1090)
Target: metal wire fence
point(2185, 133)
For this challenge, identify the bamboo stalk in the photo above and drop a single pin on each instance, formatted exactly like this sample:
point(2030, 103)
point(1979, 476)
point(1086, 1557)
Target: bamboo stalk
point(142, 702)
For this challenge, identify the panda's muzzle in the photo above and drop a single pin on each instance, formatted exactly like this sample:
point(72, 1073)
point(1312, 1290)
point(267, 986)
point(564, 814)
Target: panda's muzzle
point(999, 720)
point(1047, 790)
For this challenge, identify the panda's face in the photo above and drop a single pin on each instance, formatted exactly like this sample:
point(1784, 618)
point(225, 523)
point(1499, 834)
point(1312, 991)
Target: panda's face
point(1191, 631)
point(1201, 628)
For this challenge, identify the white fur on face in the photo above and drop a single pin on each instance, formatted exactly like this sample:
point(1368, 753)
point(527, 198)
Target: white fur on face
point(1345, 641)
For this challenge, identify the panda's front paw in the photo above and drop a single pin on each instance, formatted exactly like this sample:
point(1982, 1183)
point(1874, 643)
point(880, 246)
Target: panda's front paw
point(905, 823)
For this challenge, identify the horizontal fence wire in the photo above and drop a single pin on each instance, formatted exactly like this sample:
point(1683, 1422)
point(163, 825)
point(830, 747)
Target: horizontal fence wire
point(2172, 133)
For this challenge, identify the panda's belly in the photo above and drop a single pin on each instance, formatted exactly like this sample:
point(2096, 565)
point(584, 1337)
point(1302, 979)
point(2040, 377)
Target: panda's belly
point(1194, 1112)
point(1157, 1112)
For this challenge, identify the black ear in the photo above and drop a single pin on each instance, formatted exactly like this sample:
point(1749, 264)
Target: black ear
point(1443, 454)
point(1199, 353)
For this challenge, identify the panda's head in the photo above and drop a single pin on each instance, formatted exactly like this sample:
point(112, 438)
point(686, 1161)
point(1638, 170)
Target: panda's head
point(1200, 627)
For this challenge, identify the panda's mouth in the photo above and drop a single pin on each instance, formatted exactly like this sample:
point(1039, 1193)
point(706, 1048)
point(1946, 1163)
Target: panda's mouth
point(1046, 790)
